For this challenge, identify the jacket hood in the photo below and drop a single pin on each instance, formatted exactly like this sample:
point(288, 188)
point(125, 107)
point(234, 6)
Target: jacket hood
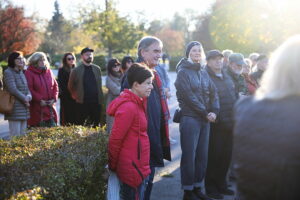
point(184, 63)
point(36, 70)
point(125, 96)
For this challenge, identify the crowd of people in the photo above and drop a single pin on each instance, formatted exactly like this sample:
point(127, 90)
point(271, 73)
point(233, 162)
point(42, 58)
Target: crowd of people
point(228, 105)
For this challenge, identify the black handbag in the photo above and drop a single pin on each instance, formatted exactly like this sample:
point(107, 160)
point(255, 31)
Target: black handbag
point(177, 115)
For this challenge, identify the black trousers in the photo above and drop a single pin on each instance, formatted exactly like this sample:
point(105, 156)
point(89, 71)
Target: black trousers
point(89, 114)
point(219, 158)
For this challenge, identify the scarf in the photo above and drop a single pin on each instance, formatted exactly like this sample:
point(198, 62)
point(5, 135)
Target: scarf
point(165, 109)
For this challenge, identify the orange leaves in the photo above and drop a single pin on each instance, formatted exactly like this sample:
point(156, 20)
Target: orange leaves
point(16, 32)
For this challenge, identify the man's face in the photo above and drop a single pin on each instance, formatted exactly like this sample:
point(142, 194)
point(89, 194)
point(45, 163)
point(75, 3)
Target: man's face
point(88, 57)
point(152, 54)
point(263, 64)
point(236, 68)
point(216, 63)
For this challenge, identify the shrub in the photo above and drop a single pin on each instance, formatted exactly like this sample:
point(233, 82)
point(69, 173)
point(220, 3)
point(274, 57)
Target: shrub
point(58, 163)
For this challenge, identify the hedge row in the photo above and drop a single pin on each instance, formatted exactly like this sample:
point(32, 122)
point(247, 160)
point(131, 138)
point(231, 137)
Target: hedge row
point(58, 163)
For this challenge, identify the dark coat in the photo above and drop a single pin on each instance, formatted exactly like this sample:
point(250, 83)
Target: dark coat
point(196, 93)
point(256, 76)
point(267, 149)
point(68, 105)
point(227, 97)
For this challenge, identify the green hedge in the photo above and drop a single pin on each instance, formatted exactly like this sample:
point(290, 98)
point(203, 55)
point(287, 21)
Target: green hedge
point(61, 163)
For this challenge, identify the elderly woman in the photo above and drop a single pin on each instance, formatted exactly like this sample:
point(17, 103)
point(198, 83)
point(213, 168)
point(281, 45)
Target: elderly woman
point(16, 84)
point(44, 90)
point(267, 135)
point(199, 104)
point(68, 108)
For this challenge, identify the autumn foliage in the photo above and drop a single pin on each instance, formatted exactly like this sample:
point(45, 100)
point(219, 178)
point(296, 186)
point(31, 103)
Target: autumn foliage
point(17, 32)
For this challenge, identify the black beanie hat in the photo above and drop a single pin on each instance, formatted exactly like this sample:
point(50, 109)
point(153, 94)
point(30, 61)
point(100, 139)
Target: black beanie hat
point(189, 46)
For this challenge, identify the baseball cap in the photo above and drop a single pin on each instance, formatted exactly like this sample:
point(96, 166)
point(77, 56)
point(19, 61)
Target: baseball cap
point(86, 49)
point(237, 58)
point(213, 53)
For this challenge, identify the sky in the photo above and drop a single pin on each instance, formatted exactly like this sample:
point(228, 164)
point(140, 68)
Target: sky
point(151, 9)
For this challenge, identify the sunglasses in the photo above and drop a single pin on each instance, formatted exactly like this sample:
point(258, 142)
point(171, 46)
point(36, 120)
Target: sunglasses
point(71, 58)
point(129, 61)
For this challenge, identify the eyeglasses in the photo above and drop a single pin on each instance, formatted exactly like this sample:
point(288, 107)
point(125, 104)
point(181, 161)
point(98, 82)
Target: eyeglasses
point(71, 58)
point(129, 61)
point(115, 66)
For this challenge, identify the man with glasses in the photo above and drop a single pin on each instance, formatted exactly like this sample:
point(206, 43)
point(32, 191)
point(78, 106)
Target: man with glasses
point(85, 86)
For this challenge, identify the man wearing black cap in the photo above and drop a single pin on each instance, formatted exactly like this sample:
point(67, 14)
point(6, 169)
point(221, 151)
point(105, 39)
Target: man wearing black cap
point(85, 85)
point(221, 136)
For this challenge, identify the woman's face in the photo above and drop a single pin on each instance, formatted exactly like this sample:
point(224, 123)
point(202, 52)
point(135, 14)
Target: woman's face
point(128, 64)
point(143, 89)
point(42, 62)
point(19, 62)
point(70, 60)
point(116, 68)
point(195, 54)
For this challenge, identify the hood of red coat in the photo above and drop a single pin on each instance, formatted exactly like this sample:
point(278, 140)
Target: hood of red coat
point(125, 96)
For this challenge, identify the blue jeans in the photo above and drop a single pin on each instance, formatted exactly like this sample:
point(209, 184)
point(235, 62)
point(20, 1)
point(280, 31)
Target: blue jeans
point(129, 193)
point(149, 184)
point(194, 137)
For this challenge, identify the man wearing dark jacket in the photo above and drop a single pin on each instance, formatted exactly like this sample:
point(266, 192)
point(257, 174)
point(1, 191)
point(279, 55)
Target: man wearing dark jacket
point(221, 137)
point(85, 86)
point(149, 52)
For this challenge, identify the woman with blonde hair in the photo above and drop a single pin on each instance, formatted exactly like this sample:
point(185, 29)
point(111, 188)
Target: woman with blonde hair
point(44, 90)
point(267, 131)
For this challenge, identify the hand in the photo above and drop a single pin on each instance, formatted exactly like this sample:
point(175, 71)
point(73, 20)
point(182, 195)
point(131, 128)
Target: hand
point(29, 97)
point(50, 102)
point(43, 103)
point(27, 104)
point(211, 117)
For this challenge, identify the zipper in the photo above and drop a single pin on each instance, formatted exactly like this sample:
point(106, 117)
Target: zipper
point(139, 149)
point(140, 173)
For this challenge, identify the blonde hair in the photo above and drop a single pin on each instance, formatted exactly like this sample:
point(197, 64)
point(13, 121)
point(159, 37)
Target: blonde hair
point(34, 59)
point(282, 77)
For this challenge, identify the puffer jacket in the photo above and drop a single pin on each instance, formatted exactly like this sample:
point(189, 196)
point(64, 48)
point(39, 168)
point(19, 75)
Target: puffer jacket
point(129, 147)
point(196, 93)
point(227, 96)
point(16, 85)
point(266, 148)
point(42, 86)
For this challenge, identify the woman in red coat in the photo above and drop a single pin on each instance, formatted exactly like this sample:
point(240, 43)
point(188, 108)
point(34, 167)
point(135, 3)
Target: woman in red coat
point(44, 90)
point(129, 147)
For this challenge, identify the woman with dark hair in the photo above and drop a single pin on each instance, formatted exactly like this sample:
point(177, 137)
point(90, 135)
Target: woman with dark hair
point(129, 147)
point(16, 84)
point(44, 90)
point(113, 84)
point(126, 63)
point(67, 103)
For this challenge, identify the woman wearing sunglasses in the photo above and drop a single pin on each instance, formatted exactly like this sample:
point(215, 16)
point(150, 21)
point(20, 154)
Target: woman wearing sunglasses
point(67, 104)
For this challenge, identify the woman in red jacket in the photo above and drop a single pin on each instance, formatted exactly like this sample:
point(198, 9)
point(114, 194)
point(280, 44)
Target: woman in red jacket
point(129, 147)
point(44, 91)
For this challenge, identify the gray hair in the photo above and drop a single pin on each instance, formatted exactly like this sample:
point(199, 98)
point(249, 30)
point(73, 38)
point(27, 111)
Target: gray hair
point(144, 43)
point(34, 59)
